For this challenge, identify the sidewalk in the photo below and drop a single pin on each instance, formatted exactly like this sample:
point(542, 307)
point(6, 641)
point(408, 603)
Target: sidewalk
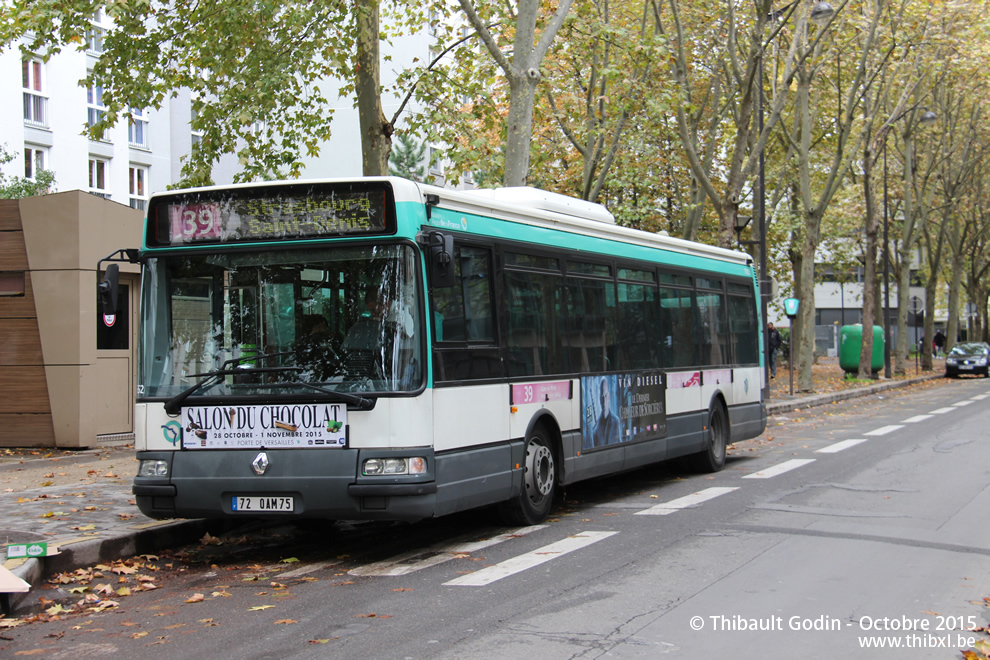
point(80, 503)
point(831, 385)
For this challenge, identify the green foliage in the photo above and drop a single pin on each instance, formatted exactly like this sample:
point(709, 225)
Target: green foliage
point(16, 187)
point(253, 70)
point(407, 158)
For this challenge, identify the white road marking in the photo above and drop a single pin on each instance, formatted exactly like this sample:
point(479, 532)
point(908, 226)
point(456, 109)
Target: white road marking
point(980, 397)
point(960, 404)
point(415, 560)
point(685, 502)
point(941, 411)
point(839, 446)
point(312, 568)
point(884, 430)
point(490, 574)
point(780, 468)
point(917, 418)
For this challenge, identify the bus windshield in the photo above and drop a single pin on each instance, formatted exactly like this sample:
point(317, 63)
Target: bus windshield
point(346, 319)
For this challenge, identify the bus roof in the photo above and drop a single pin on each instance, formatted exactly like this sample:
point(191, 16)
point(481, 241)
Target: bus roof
point(523, 205)
point(535, 207)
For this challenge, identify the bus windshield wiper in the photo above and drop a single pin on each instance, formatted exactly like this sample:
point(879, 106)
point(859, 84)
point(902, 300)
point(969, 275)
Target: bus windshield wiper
point(360, 402)
point(173, 404)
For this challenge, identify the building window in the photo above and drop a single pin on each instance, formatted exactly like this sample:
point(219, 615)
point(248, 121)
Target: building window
point(34, 161)
point(96, 33)
point(35, 98)
point(197, 134)
point(94, 104)
point(137, 128)
point(436, 167)
point(138, 187)
point(99, 177)
point(12, 283)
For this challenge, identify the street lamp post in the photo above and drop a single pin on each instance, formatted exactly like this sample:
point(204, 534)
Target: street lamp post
point(927, 117)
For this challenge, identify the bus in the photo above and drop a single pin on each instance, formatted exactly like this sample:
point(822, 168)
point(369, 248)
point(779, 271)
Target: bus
point(380, 349)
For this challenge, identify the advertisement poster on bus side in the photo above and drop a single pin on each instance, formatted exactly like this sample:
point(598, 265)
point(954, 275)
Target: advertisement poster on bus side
point(620, 408)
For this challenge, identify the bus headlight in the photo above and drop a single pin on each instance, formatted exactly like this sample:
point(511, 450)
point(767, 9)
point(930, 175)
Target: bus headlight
point(388, 466)
point(153, 469)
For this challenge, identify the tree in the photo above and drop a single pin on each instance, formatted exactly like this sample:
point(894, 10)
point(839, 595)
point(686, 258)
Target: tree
point(522, 71)
point(16, 187)
point(256, 71)
point(597, 72)
point(407, 158)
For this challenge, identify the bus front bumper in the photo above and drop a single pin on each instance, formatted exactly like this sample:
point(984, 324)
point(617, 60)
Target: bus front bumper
point(321, 483)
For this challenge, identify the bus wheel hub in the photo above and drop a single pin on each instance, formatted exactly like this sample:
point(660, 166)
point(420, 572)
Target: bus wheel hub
point(539, 470)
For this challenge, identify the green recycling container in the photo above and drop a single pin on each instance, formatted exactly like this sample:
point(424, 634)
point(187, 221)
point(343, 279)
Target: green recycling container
point(850, 344)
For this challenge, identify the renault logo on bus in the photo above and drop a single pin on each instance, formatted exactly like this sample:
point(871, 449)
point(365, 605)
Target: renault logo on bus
point(260, 463)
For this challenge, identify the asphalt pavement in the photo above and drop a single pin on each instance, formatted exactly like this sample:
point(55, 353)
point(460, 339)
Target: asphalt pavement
point(98, 522)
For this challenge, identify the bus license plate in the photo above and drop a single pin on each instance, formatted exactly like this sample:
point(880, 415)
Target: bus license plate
point(257, 504)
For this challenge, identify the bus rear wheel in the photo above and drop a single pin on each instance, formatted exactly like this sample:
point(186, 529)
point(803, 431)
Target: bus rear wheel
point(532, 504)
point(712, 458)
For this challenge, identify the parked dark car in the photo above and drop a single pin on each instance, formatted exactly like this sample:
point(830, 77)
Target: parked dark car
point(970, 358)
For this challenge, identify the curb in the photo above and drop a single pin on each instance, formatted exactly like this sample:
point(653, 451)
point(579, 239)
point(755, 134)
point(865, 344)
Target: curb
point(76, 553)
point(852, 393)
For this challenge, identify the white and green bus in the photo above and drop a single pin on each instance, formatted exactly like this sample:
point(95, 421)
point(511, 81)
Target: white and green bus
point(381, 349)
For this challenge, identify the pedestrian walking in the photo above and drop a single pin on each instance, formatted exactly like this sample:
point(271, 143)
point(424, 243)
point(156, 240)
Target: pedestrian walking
point(939, 342)
point(774, 341)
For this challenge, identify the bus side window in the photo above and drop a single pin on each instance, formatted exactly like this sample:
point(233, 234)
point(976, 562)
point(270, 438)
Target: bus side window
point(463, 312)
point(711, 332)
point(639, 327)
point(742, 330)
point(677, 327)
point(463, 321)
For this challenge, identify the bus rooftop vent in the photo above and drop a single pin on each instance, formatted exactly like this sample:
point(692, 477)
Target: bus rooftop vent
point(547, 201)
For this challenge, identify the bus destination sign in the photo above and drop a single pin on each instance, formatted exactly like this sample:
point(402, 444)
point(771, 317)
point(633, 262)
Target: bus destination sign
point(275, 216)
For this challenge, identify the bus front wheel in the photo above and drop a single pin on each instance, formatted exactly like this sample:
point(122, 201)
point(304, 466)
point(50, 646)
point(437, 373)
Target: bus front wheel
point(712, 458)
point(532, 504)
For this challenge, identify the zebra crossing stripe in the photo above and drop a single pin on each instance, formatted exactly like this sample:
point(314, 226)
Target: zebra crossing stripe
point(685, 502)
point(839, 446)
point(490, 574)
point(780, 468)
point(884, 430)
point(415, 560)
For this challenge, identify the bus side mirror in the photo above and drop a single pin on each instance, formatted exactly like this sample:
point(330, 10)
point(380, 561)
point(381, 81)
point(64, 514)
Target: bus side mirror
point(109, 288)
point(440, 251)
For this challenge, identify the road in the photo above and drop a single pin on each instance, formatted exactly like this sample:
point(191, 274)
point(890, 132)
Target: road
point(844, 528)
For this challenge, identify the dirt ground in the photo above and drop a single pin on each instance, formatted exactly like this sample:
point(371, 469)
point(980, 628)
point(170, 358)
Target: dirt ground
point(827, 376)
